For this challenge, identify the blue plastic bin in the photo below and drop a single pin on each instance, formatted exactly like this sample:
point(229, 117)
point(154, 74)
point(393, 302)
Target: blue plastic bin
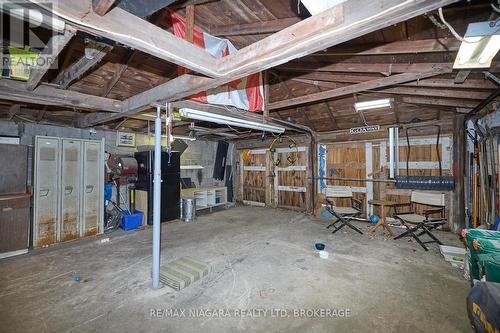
point(131, 221)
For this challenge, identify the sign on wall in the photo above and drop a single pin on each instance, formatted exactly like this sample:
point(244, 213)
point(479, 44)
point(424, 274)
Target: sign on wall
point(364, 129)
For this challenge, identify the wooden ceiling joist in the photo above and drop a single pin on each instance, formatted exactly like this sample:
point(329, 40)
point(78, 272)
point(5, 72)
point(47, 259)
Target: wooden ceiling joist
point(331, 27)
point(101, 7)
point(136, 33)
point(254, 28)
point(92, 56)
point(355, 88)
point(49, 54)
point(363, 68)
point(430, 83)
point(398, 47)
point(46, 95)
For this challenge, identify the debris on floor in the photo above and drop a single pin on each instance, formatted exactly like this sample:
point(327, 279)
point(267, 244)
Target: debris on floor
point(454, 255)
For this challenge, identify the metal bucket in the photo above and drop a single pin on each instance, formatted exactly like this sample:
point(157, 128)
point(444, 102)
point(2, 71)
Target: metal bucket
point(188, 209)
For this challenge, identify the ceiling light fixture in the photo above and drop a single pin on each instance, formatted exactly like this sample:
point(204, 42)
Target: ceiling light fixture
point(479, 45)
point(374, 104)
point(226, 120)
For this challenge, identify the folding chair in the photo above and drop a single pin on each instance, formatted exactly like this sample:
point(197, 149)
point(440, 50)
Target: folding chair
point(343, 215)
point(424, 223)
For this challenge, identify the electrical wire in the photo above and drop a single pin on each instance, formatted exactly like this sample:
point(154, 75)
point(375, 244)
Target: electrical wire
point(456, 35)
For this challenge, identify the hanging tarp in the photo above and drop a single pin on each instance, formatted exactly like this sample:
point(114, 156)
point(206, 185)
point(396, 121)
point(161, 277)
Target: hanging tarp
point(245, 93)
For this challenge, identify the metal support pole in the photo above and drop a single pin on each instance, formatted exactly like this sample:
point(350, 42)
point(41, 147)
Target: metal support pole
point(157, 201)
point(391, 152)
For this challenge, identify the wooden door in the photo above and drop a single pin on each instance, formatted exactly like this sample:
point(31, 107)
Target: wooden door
point(290, 181)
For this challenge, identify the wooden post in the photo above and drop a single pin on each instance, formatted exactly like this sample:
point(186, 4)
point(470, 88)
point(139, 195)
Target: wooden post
point(458, 213)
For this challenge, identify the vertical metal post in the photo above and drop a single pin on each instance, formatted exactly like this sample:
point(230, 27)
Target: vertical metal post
point(157, 201)
point(396, 149)
point(391, 152)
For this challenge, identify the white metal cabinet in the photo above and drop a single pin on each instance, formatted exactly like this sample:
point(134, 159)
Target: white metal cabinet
point(93, 185)
point(69, 189)
point(46, 191)
point(71, 169)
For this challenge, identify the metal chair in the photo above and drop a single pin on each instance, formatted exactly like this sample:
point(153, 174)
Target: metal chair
point(343, 215)
point(424, 223)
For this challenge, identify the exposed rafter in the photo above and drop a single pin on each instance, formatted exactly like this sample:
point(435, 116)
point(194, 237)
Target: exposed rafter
point(46, 95)
point(254, 28)
point(101, 7)
point(93, 55)
point(351, 89)
point(398, 47)
point(49, 54)
point(331, 27)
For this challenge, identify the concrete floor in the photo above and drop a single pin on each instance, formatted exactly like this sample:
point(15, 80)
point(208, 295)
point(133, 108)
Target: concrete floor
point(262, 258)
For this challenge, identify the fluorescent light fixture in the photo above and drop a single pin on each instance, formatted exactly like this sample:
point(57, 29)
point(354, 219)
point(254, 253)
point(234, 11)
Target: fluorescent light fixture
point(180, 137)
point(226, 120)
point(374, 104)
point(481, 44)
point(184, 137)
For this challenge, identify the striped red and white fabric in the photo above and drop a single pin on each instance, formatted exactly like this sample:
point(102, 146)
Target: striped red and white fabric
point(246, 93)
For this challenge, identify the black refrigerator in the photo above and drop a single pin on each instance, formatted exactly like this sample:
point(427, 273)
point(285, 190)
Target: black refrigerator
point(170, 185)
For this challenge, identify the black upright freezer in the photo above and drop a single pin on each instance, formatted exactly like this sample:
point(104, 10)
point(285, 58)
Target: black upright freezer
point(170, 185)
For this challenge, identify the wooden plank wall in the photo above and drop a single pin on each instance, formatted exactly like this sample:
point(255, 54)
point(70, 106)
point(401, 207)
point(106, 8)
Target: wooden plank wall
point(370, 159)
point(285, 185)
point(253, 176)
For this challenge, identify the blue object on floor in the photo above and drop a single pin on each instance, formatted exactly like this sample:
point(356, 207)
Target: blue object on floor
point(374, 218)
point(326, 214)
point(108, 191)
point(131, 221)
point(320, 246)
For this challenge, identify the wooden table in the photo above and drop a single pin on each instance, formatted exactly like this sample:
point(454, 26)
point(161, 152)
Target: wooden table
point(382, 222)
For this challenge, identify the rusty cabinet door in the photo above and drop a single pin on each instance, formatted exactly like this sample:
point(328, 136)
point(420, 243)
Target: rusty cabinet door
point(45, 210)
point(92, 209)
point(71, 163)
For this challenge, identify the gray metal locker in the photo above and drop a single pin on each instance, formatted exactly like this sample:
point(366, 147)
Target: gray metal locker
point(46, 197)
point(71, 170)
point(93, 184)
point(69, 189)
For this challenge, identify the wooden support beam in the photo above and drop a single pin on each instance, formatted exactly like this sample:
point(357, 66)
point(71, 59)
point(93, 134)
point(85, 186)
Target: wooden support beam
point(48, 56)
point(355, 88)
point(92, 56)
point(46, 95)
point(462, 76)
point(130, 30)
point(443, 93)
point(254, 28)
point(175, 89)
point(320, 78)
point(101, 7)
point(362, 68)
point(436, 101)
point(120, 69)
point(190, 16)
point(398, 47)
point(14, 110)
point(331, 27)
